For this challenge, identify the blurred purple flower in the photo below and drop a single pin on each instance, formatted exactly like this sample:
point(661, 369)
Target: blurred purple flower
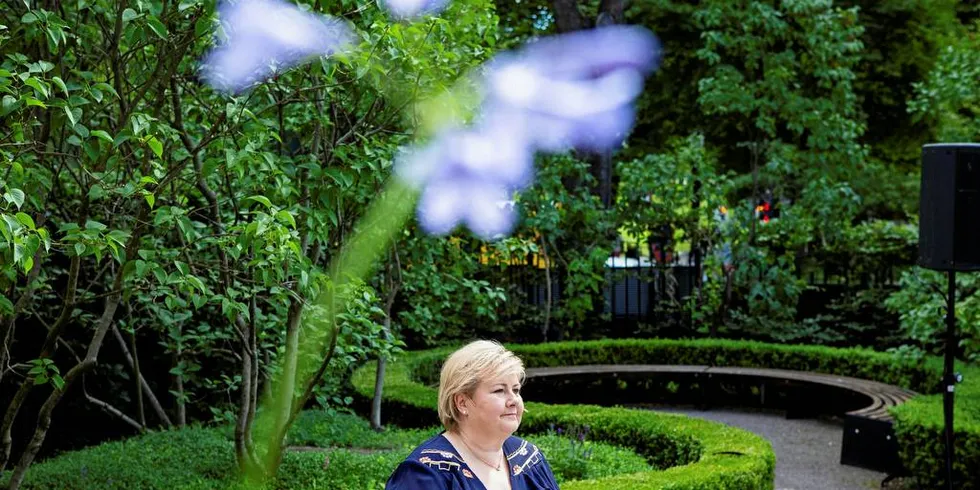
point(468, 176)
point(404, 9)
point(267, 36)
point(573, 90)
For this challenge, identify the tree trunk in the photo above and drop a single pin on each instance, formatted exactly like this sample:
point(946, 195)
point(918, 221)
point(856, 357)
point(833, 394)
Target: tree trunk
point(181, 405)
point(567, 16)
point(145, 387)
point(138, 377)
point(68, 306)
point(379, 381)
point(243, 451)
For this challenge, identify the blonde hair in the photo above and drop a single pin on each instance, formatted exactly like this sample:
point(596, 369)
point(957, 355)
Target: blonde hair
point(465, 368)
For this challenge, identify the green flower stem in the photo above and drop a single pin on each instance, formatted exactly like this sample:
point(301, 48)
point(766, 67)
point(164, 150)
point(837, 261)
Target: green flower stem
point(385, 217)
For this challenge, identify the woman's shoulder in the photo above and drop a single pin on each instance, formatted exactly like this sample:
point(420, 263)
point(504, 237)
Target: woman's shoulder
point(436, 453)
point(523, 456)
point(431, 463)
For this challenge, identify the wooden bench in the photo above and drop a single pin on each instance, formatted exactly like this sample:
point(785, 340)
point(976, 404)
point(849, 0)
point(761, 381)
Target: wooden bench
point(868, 438)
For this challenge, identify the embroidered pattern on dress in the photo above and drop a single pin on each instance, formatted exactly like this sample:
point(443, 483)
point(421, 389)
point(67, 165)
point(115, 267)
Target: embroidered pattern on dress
point(443, 460)
point(439, 465)
point(532, 460)
point(519, 452)
point(444, 454)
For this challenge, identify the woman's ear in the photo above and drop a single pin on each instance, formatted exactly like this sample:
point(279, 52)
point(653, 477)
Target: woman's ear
point(461, 401)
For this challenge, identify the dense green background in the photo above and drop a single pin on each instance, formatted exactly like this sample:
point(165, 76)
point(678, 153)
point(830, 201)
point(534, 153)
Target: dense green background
point(154, 229)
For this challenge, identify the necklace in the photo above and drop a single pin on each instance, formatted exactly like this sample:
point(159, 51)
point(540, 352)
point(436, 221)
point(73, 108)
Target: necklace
point(496, 467)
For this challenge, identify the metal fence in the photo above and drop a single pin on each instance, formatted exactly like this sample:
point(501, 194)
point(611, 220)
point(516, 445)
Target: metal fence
point(641, 291)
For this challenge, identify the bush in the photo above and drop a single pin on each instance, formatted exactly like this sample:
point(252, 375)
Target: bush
point(578, 458)
point(203, 459)
point(330, 429)
point(919, 428)
point(186, 458)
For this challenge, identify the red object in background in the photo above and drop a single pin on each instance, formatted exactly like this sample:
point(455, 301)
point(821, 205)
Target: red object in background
point(764, 211)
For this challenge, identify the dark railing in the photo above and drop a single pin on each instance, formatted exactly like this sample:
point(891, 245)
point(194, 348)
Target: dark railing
point(640, 291)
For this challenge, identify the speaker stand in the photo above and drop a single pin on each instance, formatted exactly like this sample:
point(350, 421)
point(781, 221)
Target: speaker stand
point(950, 378)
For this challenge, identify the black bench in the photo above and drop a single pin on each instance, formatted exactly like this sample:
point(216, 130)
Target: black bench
point(868, 439)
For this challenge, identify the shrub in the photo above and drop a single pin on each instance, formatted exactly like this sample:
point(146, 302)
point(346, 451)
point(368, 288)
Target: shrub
point(203, 459)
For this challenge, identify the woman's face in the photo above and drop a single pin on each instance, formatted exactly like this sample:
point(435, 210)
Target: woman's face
point(496, 407)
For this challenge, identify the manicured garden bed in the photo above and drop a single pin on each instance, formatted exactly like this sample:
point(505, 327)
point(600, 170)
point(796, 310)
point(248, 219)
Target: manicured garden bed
point(695, 455)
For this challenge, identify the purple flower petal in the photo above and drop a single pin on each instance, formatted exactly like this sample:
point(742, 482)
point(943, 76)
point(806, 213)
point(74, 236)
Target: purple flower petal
point(591, 53)
point(404, 9)
point(555, 134)
point(484, 208)
point(488, 153)
point(441, 207)
point(266, 36)
point(574, 90)
point(489, 212)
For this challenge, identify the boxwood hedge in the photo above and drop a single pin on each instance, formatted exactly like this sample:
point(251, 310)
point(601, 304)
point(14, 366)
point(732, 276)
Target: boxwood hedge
point(691, 453)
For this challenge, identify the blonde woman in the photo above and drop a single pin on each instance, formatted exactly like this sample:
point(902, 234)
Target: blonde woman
point(480, 407)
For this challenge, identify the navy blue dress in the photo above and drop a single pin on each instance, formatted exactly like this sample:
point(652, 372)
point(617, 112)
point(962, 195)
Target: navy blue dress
point(435, 464)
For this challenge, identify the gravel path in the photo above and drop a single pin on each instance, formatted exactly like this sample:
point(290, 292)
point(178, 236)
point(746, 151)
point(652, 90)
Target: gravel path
point(807, 450)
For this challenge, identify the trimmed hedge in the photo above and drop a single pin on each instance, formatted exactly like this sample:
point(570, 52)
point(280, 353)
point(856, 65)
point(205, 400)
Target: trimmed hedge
point(919, 428)
point(673, 442)
point(198, 458)
point(686, 453)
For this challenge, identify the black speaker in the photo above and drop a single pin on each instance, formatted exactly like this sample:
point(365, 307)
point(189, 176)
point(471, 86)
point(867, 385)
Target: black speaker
point(949, 207)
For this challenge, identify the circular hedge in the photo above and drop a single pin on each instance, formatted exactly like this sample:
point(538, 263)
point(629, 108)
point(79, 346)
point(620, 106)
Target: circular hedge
point(697, 454)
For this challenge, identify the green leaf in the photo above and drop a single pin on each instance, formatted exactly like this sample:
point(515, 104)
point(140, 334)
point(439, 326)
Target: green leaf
point(156, 146)
point(150, 199)
point(28, 264)
point(45, 239)
point(8, 105)
point(129, 14)
point(26, 221)
point(262, 199)
point(37, 85)
point(71, 117)
point(61, 84)
point(96, 192)
point(79, 249)
point(58, 382)
point(156, 26)
point(286, 217)
point(6, 306)
point(15, 196)
point(31, 101)
point(98, 133)
point(105, 87)
point(95, 225)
